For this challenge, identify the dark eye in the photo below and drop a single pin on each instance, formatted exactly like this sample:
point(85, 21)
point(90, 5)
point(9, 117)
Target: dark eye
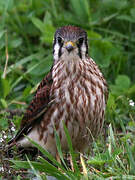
point(80, 41)
point(59, 40)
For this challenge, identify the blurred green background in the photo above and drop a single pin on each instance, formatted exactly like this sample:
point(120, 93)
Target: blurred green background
point(26, 34)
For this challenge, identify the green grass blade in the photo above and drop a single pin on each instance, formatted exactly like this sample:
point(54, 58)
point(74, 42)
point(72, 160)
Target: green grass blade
point(80, 8)
point(46, 154)
point(52, 168)
point(129, 151)
point(24, 61)
point(40, 167)
point(33, 169)
point(71, 149)
point(58, 144)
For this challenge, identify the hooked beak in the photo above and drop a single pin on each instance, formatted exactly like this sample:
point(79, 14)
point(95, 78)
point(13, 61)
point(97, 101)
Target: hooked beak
point(69, 46)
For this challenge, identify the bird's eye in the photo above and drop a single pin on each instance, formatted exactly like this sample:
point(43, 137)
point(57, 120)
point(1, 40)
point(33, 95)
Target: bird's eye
point(59, 40)
point(80, 41)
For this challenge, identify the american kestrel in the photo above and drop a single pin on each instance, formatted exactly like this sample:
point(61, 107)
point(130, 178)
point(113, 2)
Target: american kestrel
point(74, 91)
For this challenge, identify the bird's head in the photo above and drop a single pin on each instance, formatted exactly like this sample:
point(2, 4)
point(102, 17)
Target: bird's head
point(70, 41)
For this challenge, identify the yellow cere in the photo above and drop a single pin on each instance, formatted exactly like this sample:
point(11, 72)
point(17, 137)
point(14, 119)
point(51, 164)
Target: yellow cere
point(70, 43)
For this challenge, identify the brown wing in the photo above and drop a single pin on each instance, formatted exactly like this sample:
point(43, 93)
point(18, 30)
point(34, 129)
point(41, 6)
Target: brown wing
point(39, 102)
point(37, 107)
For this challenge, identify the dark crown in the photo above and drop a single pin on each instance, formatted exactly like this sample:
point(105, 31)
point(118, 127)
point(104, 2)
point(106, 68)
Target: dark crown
point(70, 33)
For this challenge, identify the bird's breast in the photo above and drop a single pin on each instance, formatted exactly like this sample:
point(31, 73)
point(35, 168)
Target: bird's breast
point(78, 92)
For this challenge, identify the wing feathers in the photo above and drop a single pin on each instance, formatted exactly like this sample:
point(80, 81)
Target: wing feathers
point(36, 109)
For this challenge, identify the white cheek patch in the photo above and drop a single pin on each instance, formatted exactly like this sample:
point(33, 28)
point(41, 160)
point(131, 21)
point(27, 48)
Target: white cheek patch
point(83, 50)
point(56, 52)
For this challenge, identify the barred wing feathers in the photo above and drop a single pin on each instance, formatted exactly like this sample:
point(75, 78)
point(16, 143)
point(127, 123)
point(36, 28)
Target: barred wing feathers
point(36, 109)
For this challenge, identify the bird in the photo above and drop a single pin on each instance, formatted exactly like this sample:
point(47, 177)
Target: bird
point(74, 92)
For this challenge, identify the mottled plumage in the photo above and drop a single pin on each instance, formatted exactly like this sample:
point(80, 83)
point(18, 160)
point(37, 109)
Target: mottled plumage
point(74, 91)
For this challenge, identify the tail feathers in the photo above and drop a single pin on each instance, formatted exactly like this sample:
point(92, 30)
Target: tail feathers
point(11, 143)
point(20, 134)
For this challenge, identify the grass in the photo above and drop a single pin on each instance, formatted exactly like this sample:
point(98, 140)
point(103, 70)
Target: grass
point(26, 34)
